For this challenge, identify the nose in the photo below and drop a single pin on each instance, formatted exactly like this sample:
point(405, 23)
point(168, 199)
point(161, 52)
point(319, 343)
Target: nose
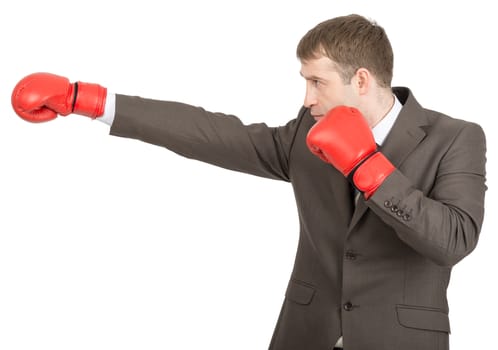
point(309, 98)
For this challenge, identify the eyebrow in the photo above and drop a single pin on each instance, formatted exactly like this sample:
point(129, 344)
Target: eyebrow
point(311, 77)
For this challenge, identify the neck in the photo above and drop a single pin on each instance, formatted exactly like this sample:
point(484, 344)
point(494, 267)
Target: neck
point(383, 105)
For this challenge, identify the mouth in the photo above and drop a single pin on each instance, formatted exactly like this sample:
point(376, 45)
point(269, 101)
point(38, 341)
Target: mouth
point(317, 117)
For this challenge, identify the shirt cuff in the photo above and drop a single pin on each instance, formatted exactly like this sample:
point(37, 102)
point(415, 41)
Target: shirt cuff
point(110, 109)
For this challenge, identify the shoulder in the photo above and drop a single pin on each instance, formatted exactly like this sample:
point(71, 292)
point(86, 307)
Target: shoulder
point(434, 121)
point(456, 129)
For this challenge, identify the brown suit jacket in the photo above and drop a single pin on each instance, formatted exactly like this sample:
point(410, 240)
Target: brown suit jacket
point(377, 272)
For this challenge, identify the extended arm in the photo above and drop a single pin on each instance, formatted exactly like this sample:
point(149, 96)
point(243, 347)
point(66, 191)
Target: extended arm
point(216, 138)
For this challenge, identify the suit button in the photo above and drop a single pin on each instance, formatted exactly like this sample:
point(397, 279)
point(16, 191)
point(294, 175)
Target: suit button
point(350, 255)
point(407, 217)
point(394, 209)
point(388, 204)
point(348, 306)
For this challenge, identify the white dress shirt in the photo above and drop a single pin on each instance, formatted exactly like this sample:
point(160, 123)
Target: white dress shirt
point(381, 130)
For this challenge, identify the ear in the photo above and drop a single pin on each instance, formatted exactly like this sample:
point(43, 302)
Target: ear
point(362, 80)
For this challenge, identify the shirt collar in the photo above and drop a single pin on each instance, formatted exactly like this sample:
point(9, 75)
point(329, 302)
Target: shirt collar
point(381, 130)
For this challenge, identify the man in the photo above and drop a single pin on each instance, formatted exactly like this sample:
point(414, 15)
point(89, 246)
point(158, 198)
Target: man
point(390, 195)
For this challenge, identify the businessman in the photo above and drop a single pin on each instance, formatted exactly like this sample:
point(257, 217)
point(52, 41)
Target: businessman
point(390, 195)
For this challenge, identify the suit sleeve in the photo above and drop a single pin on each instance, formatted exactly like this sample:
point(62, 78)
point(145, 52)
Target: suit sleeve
point(215, 138)
point(444, 225)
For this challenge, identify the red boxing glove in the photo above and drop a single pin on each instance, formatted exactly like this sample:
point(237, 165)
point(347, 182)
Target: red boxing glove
point(39, 97)
point(344, 139)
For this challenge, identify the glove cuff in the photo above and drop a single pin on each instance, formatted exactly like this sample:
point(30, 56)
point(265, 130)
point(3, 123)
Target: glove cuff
point(89, 99)
point(371, 173)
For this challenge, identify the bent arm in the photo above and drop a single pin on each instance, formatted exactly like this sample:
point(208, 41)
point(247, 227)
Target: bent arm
point(444, 225)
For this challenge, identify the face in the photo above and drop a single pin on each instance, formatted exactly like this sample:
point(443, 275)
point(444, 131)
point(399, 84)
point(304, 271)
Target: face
point(325, 88)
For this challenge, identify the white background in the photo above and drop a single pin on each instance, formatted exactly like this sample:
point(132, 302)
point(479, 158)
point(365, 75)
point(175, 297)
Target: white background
point(109, 243)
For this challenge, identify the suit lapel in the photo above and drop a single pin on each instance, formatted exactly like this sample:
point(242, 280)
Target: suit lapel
point(405, 135)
